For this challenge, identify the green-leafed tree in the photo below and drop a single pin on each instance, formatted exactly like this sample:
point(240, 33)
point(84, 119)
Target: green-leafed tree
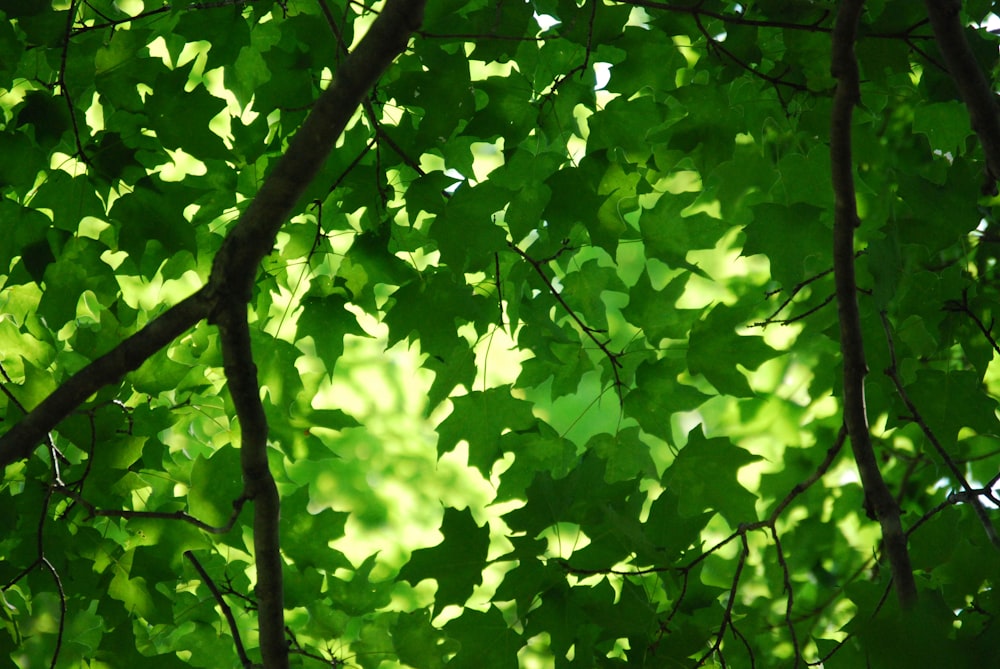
point(499, 334)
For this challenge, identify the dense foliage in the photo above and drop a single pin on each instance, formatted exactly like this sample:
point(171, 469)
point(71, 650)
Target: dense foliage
point(548, 333)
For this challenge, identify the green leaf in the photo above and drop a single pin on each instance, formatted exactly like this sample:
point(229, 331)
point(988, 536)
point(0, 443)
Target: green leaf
point(148, 214)
point(794, 238)
point(655, 311)
point(582, 290)
point(488, 642)
point(717, 351)
point(327, 321)
point(467, 234)
point(625, 454)
point(247, 73)
point(420, 644)
point(306, 534)
point(704, 477)
point(432, 309)
point(946, 125)
point(456, 563)
point(659, 393)
point(216, 483)
point(479, 418)
point(671, 168)
point(360, 593)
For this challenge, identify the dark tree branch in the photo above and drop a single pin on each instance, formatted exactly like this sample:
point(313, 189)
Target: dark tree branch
point(770, 523)
point(94, 512)
point(795, 290)
point(11, 397)
point(19, 442)
point(820, 25)
point(718, 47)
point(62, 610)
point(878, 500)
point(366, 104)
point(727, 617)
point(226, 611)
point(970, 494)
point(774, 320)
point(235, 267)
point(789, 594)
point(231, 284)
point(697, 10)
point(963, 307)
point(165, 9)
point(224, 300)
point(975, 90)
point(241, 377)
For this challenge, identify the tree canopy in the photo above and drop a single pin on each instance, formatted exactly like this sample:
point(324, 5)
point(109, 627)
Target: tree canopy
point(499, 333)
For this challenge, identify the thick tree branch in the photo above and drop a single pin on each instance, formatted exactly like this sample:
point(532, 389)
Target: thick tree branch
point(975, 90)
point(21, 440)
point(232, 279)
point(878, 499)
point(241, 377)
point(236, 265)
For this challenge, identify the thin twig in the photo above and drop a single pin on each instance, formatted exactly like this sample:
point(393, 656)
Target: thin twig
point(586, 329)
point(226, 611)
point(94, 512)
point(973, 498)
point(727, 617)
point(62, 610)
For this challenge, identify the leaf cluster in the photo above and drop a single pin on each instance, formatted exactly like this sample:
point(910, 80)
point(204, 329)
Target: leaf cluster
point(548, 349)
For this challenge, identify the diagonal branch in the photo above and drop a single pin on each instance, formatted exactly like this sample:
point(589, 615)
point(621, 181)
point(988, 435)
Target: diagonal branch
point(969, 492)
point(613, 358)
point(19, 442)
point(975, 90)
point(878, 499)
point(235, 267)
point(224, 607)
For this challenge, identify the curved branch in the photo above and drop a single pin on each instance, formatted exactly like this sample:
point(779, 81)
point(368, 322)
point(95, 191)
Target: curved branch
point(61, 630)
point(975, 90)
point(878, 500)
point(613, 358)
point(94, 512)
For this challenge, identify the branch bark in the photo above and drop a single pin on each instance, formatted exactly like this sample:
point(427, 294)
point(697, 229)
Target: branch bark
point(235, 266)
point(879, 501)
point(224, 301)
point(241, 377)
point(974, 89)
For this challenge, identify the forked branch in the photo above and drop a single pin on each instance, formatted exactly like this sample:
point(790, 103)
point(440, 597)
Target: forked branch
point(235, 267)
